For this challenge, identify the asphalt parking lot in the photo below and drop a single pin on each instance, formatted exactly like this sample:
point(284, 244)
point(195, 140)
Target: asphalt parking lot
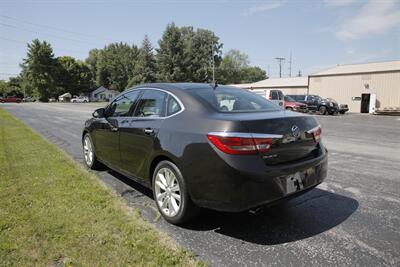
point(351, 219)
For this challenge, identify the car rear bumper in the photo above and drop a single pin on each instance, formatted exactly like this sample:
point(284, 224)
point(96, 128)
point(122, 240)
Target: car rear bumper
point(236, 187)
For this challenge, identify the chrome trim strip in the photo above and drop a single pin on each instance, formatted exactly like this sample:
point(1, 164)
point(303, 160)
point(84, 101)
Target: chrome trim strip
point(157, 89)
point(246, 135)
point(313, 129)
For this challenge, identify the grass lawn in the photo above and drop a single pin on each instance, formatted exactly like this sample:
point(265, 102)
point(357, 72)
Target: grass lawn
point(54, 212)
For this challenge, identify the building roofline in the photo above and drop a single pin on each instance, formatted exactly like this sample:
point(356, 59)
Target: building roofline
point(352, 73)
point(321, 72)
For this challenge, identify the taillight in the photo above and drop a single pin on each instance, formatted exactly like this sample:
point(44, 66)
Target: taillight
point(316, 133)
point(241, 143)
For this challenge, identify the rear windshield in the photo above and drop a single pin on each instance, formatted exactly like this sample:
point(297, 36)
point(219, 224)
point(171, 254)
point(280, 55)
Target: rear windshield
point(225, 99)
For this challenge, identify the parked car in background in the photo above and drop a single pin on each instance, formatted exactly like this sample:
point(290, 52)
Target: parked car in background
point(291, 104)
point(275, 96)
point(28, 99)
point(343, 108)
point(197, 145)
point(10, 99)
point(80, 99)
point(317, 103)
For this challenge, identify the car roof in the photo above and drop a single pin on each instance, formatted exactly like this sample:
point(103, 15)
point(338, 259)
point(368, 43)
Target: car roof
point(179, 86)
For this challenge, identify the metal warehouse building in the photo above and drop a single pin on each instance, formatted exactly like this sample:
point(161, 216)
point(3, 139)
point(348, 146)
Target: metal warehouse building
point(364, 87)
point(295, 85)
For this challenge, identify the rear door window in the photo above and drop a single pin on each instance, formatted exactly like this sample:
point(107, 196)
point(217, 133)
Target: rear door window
point(274, 95)
point(151, 104)
point(280, 95)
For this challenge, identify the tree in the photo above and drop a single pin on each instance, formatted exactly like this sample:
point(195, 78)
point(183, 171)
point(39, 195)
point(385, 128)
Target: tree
point(145, 70)
point(91, 62)
point(115, 64)
point(40, 68)
point(252, 74)
point(73, 76)
point(4, 89)
point(170, 56)
point(235, 68)
point(200, 47)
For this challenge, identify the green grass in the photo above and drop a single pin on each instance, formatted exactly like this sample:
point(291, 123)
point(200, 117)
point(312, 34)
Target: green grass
point(54, 212)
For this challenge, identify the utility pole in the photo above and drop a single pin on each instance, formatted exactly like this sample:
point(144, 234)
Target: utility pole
point(280, 60)
point(269, 73)
point(290, 65)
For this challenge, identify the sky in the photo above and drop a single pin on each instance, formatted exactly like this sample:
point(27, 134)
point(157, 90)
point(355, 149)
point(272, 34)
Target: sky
point(318, 34)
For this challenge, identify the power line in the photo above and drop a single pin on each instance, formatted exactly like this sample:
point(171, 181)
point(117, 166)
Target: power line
point(6, 73)
point(49, 34)
point(55, 28)
point(25, 43)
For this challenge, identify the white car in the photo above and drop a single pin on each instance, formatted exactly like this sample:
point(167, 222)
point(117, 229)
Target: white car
point(273, 95)
point(80, 99)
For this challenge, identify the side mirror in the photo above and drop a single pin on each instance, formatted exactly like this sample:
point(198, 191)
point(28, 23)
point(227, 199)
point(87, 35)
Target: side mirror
point(99, 113)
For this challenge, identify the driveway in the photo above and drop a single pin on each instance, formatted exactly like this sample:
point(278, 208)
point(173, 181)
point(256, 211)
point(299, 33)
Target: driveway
point(351, 219)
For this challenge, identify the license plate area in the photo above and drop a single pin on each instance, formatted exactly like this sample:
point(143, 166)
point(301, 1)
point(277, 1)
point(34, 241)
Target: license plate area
point(298, 181)
point(294, 182)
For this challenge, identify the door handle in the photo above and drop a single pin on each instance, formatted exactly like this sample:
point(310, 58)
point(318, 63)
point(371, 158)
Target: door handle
point(148, 131)
point(114, 129)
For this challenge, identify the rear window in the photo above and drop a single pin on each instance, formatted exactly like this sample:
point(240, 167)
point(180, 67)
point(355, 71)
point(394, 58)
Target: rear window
point(289, 99)
point(225, 99)
point(298, 97)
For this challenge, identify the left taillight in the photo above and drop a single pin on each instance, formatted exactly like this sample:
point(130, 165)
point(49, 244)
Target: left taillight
point(240, 144)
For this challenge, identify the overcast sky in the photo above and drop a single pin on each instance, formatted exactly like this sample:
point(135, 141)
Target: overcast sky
point(319, 34)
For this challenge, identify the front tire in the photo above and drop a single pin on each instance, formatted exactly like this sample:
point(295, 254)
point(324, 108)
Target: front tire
point(88, 153)
point(171, 195)
point(322, 110)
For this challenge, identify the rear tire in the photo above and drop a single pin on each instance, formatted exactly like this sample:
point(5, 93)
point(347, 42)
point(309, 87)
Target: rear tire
point(88, 153)
point(289, 108)
point(322, 110)
point(171, 194)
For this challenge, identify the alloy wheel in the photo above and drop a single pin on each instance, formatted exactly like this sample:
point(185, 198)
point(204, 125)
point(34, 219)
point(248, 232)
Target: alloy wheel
point(167, 192)
point(88, 151)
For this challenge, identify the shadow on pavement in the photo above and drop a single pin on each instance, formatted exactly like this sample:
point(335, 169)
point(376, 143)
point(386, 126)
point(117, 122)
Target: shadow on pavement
point(299, 218)
point(305, 216)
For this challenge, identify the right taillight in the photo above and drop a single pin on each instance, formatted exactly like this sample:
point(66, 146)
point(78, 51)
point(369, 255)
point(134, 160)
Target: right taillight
point(241, 143)
point(316, 133)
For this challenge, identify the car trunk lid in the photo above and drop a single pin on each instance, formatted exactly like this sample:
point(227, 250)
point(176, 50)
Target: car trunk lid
point(294, 139)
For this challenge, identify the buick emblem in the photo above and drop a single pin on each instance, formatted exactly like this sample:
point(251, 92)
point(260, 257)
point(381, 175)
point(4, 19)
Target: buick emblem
point(295, 131)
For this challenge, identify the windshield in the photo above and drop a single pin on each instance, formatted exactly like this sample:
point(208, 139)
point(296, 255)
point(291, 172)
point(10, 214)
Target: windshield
point(225, 99)
point(289, 99)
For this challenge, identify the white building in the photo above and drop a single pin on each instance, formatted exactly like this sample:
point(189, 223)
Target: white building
point(65, 97)
point(364, 87)
point(102, 94)
point(289, 86)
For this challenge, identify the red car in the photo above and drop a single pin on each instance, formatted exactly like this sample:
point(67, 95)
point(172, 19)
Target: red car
point(10, 99)
point(291, 104)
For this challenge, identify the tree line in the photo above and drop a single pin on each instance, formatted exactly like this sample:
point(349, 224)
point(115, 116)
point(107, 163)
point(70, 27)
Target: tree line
point(184, 54)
